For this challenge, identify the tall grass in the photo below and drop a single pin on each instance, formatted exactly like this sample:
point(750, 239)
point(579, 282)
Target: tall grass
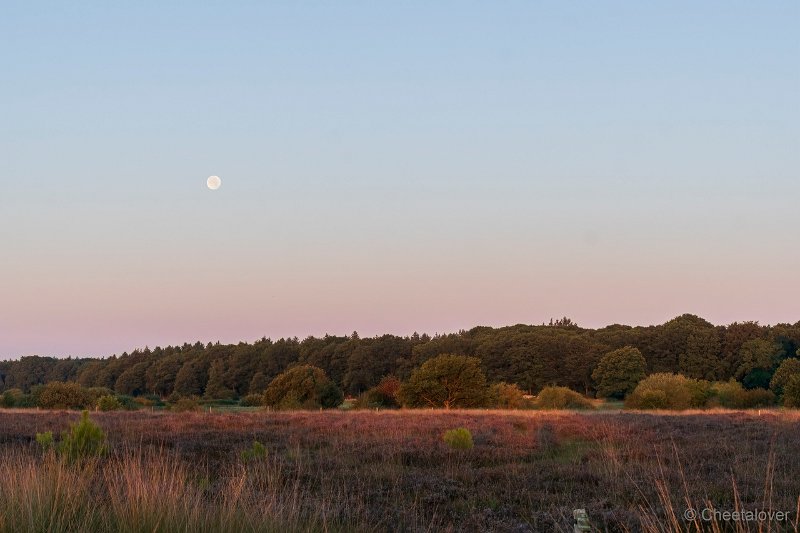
point(148, 491)
point(383, 471)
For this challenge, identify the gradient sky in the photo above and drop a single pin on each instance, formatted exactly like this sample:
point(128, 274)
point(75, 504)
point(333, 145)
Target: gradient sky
point(392, 167)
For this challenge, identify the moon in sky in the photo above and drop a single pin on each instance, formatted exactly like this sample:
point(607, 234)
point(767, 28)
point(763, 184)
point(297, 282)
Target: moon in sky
point(214, 182)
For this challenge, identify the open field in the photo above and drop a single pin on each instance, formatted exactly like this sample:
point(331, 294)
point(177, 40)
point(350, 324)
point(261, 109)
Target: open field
point(390, 470)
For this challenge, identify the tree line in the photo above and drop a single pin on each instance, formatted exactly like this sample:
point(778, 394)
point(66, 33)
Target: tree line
point(532, 357)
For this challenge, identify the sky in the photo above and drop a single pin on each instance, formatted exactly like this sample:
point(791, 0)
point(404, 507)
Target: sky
point(392, 167)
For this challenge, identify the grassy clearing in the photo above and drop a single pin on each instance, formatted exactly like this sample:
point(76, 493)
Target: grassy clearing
point(375, 471)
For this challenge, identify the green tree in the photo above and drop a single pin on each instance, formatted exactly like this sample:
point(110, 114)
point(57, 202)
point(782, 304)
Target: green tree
point(302, 387)
point(734, 337)
point(132, 381)
point(448, 381)
point(700, 359)
point(259, 383)
point(791, 391)
point(188, 382)
point(671, 340)
point(757, 360)
point(788, 367)
point(161, 375)
point(373, 359)
point(215, 387)
point(618, 372)
point(279, 355)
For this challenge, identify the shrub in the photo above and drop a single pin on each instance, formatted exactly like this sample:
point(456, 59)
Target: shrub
point(256, 452)
point(139, 402)
point(95, 393)
point(330, 395)
point(755, 398)
point(561, 398)
point(507, 396)
point(84, 439)
point(251, 400)
point(6, 400)
point(45, 440)
point(108, 403)
point(791, 391)
point(649, 399)
point(129, 403)
point(381, 396)
point(700, 391)
point(733, 395)
point(302, 387)
point(185, 405)
point(662, 391)
point(725, 394)
point(58, 395)
point(458, 439)
point(10, 398)
point(154, 400)
point(618, 372)
point(25, 401)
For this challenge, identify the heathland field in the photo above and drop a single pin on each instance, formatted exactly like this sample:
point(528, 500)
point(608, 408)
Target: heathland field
point(392, 470)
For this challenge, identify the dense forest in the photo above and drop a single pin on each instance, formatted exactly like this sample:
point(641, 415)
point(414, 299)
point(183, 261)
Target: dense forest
point(560, 353)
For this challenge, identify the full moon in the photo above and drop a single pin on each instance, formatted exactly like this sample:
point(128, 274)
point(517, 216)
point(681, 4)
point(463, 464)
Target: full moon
point(214, 182)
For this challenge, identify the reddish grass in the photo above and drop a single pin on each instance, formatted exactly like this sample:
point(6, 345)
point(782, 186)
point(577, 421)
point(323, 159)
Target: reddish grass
point(527, 472)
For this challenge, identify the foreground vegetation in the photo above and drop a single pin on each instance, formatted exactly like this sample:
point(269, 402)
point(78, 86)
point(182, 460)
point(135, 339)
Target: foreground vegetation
point(398, 470)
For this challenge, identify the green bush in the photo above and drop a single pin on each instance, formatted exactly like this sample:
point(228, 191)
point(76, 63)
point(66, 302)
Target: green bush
point(219, 402)
point(663, 391)
point(725, 394)
point(507, 396)
point(381, 396)
point(129, 403)
point(108, 403)
point(10, 398)
point(185, 405)
point(330, 396)
point(561, 398)
point(649, 399)
point(59, 395)
point(700, 391)
point(677, 392)
point(756, 398)
point(252, 400)
point(733, 395)
point(95, 393)
point(256, 452)
point(84, 440)
point(26, 401)
point(45, 440)
point(791, 391)
point(302, 387)
point(458, 439)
